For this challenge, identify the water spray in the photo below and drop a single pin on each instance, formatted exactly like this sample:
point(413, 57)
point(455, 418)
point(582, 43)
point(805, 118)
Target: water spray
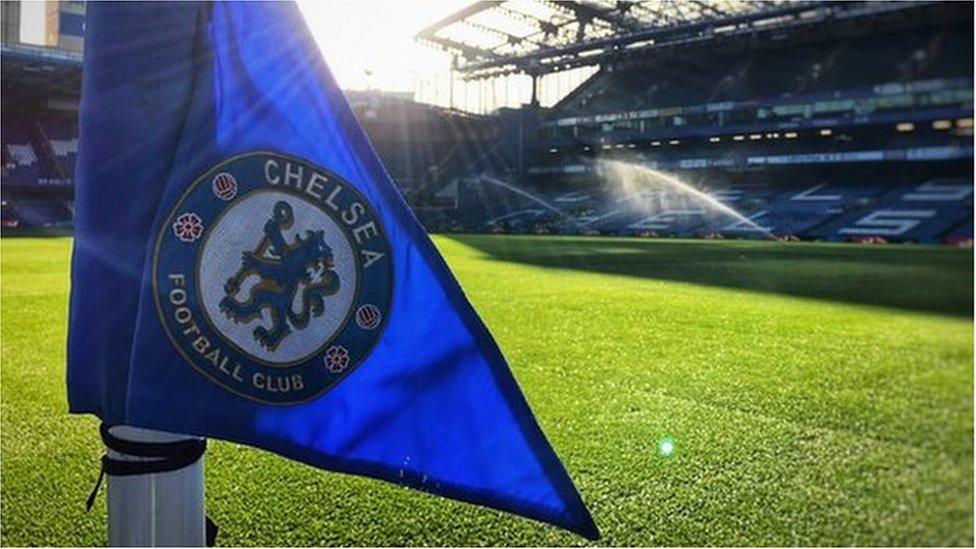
point(630, 179)
point(525, 194)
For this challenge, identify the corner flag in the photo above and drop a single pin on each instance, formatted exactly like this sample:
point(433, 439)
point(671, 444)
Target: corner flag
point(244, 269)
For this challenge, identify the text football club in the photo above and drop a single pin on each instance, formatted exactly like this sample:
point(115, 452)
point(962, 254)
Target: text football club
point(272, 277)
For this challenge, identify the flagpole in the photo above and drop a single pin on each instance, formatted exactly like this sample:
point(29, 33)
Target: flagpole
point(156, 509)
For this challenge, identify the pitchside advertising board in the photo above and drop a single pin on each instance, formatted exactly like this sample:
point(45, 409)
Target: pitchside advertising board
point(273, 277)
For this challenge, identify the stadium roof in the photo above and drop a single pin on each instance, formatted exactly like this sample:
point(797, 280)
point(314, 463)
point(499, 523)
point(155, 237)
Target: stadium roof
point(494, 38)
point(38, 74)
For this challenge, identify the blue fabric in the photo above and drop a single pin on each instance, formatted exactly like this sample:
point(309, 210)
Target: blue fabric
point(171, 90)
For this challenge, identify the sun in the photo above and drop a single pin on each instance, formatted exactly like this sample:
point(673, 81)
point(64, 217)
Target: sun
point(370, 45)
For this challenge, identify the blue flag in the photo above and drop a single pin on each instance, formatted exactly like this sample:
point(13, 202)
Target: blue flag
point(244, 269)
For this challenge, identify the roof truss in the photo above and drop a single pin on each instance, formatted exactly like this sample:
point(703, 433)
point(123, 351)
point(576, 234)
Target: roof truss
point(495, 38)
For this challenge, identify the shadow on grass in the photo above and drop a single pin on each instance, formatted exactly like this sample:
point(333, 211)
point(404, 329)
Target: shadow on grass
point(919, 278)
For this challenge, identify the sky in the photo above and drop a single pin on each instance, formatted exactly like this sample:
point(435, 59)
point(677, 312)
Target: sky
point(377, 36)
point(32, 22)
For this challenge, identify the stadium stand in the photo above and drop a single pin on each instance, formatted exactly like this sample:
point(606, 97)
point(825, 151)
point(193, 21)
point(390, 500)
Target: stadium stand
point(917, 213)
point(422, 146)
point(810, 120)
point(828, 121)
point(62, 135)
point(21, 164)
point(39, 89)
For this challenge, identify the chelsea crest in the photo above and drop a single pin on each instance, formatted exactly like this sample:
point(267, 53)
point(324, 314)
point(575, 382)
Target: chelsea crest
point(272, 277)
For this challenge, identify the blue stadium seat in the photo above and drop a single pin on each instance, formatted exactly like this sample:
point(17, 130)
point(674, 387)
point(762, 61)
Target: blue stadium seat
point(920, 213)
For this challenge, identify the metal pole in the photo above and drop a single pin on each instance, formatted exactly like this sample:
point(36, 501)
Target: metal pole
point(451, 91)
point(158, 509)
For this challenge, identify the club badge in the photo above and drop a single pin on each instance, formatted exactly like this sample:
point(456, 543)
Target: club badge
point(272, 277)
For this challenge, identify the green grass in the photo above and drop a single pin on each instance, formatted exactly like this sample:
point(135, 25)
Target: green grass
point(816, 395)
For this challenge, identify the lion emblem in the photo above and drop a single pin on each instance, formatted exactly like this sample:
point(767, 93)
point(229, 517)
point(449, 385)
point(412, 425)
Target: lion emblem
point(302, 269)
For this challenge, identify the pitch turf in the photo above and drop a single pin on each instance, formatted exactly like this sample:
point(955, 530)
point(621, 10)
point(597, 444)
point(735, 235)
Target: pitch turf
point(815, 394)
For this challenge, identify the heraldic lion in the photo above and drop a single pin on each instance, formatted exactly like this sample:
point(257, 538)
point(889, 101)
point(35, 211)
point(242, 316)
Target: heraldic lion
point(284, 271)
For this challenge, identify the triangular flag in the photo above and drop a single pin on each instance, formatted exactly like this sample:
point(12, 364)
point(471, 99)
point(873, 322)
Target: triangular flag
point(244, 269)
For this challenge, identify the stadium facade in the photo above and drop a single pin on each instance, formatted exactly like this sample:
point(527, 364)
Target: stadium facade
point(811, 120)
point(41, 84)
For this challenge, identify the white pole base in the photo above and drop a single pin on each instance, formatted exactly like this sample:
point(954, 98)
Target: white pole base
point(158, 509)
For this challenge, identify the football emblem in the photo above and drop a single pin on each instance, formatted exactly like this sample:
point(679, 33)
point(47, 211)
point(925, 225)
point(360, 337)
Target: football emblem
point(274, 279)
